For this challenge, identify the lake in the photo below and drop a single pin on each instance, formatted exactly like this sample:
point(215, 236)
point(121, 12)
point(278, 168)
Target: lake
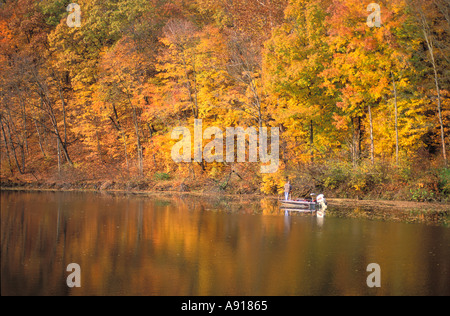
point(192, 246)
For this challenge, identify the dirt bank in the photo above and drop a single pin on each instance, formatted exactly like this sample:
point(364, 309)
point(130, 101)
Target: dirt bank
point(390, 205)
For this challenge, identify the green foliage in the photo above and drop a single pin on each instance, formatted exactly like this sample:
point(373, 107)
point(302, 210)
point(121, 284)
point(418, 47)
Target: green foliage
point(422, 195)
point(161, 176)
point(53, 10)
point(369, 180)
point(444, 182)
point(336, 175)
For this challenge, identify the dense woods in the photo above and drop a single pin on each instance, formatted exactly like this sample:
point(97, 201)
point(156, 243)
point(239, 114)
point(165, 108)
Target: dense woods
point(362, 111)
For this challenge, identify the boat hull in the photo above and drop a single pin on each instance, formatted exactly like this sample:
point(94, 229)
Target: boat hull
point(299, 205)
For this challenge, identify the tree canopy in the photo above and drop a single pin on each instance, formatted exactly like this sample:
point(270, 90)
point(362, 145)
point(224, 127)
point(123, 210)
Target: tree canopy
point(100, 101)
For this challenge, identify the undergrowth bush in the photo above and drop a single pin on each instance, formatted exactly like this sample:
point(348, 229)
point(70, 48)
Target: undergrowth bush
point(161, 176)
point(410, 180)
point(444, 182)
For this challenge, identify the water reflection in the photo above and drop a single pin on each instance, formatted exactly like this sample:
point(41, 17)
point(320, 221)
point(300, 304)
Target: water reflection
point(189, 246)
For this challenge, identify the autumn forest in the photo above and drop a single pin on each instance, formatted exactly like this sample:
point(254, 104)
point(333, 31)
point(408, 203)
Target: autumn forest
point(363, 111)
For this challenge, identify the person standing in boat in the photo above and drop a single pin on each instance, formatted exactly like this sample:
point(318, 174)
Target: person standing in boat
point(287, 190)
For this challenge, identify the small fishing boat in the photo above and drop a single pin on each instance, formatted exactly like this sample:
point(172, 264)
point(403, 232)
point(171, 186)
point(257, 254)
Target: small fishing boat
point(319, 204)
point(299, 205)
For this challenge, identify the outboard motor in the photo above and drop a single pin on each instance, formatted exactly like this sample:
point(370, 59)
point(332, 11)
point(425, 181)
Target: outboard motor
point(322, 202)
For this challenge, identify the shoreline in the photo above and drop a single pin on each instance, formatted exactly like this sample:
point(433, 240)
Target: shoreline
point(429, 213)
point(393, 205)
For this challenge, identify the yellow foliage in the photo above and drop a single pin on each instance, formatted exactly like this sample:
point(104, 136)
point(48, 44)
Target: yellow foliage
point(273, 183)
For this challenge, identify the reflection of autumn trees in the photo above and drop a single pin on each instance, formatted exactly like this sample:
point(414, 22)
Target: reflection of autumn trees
point(144, 246)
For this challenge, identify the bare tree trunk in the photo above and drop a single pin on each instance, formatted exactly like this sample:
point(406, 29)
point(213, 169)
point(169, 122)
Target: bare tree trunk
point(356, 140)
point(7, 149)
point(45, 100)
point(124, 138)
point(151, 131)
point(118, 126)
point(139, 145)
point(372, 146)
point(429, 40)
point(99, 148)
point(244, 64)
point(24, 125)
point(13, 132)
point(40, 139)
point(311, 135)
point(64, 147)
point(58, 153)
point(63, 103)
point(397, 145)
point(24, 143)
point(441, 121)
point(257, 103)
point(354, 159)
point(140, 155)
point(138, 141)
point(191, 88)
point(11, 142)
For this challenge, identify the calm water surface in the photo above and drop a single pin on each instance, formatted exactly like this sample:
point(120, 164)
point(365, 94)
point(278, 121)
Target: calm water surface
point(129, 245)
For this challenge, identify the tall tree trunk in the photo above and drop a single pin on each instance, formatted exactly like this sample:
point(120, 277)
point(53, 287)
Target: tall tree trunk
point(58, 153)
point(7, 149)
point(63, 147)
point(191, 88)
point(356, 140)
point(152, 130)
point(372, 147)
point(428, 39)
point(63, 103)
point(12, 131)
point(24, 142)
point(99, 148)
point(139, 147)
point(359, 138)
point(441, 121)
point(11, 142)
point(40, 139)
point(45, 100)
point(439, 102)
point(24, 126)
point(311, 140)
point(140, 154)
point(124, 138)
point(118, 126)
point(397, 145)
